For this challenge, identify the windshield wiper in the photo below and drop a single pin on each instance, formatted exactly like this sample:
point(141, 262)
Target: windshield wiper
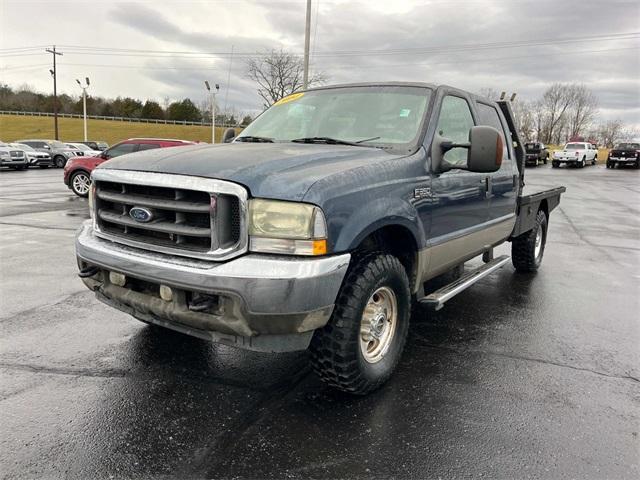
point(250, 138)
point(332, 141)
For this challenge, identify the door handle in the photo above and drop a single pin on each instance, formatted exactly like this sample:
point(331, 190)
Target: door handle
point(487, 192)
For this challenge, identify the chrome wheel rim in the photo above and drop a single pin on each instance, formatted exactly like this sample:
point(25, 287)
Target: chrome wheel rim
point(538, 247)
point(378, 324)
point(81, 183)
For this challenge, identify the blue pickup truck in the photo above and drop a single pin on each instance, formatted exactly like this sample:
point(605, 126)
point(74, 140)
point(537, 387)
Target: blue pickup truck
point(319, 224)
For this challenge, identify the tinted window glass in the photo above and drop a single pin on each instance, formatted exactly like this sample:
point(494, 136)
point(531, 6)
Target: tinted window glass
point(489, 117)
point(574, 146)
point(35, 144)
point(121, 149)
point(148, 146)
point(454, 124)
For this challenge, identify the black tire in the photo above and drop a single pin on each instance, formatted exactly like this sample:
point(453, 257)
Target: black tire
point(608, 164)
point(555, 164)
point(81, 176)
point(523, 247)
point(59, 161)
point(582, 162)
point(595, 160)
point(637, 165)
point(546, 159)
point(336, 352)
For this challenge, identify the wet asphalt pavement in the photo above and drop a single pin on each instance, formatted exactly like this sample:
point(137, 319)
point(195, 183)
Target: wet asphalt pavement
point(521, 376)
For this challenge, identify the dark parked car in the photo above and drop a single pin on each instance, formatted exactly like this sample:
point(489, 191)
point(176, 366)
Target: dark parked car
point(101, 146)
point(77, 172)
point(319, 225)
point(624, 154)
point(536, 152)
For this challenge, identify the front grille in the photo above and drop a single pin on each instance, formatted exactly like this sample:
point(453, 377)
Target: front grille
point(205, 223)
point(16, 154)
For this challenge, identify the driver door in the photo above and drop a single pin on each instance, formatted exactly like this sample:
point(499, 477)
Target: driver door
point(460, 204)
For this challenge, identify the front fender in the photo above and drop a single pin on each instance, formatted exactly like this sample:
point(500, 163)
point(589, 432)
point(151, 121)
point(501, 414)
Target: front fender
point(372, 216)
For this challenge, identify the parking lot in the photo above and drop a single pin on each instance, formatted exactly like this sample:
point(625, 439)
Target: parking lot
point(521, 376)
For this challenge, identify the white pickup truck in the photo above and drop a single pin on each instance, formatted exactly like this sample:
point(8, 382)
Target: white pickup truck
point(577, 154)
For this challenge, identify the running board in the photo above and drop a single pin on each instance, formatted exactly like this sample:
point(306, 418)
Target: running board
point(437, 299)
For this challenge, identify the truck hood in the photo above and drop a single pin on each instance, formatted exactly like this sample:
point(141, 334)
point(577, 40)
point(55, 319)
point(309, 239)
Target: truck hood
point(270, 170)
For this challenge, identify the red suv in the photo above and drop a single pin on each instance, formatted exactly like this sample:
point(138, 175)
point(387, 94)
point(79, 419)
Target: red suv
point(77, 171)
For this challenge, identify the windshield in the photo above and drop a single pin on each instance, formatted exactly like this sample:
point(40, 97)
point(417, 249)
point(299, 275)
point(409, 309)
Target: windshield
point(22, 146)
point(381, 115)
point(628, 146)
point(532, 146)
point(574, 146)
point(56, 144)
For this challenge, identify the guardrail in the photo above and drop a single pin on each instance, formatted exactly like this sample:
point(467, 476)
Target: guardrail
point(115, 119)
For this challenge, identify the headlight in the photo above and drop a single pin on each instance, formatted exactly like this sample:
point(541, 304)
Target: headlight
point(287, 228)
point(4, 155)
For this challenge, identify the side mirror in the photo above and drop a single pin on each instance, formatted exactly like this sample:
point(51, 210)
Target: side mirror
point(485, 148)
point(104, 155)
point(46, 146)
point(485, 153)
point(228, 135)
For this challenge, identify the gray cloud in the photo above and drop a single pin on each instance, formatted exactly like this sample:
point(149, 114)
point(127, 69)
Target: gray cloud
point(610, 68)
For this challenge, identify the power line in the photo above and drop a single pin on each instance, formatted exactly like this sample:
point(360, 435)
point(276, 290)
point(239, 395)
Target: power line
point(86, 50)
point(335, 67)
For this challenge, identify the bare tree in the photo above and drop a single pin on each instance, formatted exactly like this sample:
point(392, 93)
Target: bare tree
point(539, 119)
point(525, 119)
point(610, 133)
point(582, 111)
point(556, 100)
point(278, 74)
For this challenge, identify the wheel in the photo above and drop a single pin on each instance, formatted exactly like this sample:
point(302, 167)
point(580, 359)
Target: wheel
point(361, 344)
point(527, 249)
point(80, 183)
point(608, 164)
point(595, 160)
point(555, 164)
point(546, 159)
point(582, 162)
point(637, 165)
point(59, 161)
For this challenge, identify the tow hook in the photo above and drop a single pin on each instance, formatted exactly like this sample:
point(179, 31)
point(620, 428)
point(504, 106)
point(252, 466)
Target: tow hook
point(89, 271)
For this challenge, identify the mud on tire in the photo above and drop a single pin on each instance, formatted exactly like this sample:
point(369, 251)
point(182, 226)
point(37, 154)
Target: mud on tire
point(336, 352)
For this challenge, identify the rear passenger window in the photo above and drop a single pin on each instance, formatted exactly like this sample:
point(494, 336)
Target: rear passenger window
point(148, 146)
point(489, 117)
point(454, 124)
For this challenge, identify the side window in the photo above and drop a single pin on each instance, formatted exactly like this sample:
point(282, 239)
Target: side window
point(489, 117)
point(454, 123)
point(147, 146)
point(121, 149)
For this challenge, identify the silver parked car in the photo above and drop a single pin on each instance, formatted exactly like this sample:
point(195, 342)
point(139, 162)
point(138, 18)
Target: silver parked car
point(34, 157)
point(58, 151)
point(12, 157)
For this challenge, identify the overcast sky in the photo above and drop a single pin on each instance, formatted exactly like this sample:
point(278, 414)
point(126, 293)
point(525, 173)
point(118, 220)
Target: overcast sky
point(438, 41)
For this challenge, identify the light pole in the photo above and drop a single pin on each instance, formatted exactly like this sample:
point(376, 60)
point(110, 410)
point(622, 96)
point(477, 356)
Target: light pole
point(84, 104)
point(213, 109)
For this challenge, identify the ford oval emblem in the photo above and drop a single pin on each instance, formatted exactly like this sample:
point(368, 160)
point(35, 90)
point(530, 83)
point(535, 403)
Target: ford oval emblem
point(141, 214)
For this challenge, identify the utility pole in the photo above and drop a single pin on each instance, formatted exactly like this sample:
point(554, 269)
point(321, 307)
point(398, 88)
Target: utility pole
point(307, 33)
point(55, 90)
point(84, 104)
point(213, 109)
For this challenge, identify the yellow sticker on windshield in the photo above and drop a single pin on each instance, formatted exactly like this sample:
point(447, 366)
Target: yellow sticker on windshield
point(289, 98)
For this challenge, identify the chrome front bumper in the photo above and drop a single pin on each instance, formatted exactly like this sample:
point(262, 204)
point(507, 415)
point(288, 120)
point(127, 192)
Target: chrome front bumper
point(265, 302)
